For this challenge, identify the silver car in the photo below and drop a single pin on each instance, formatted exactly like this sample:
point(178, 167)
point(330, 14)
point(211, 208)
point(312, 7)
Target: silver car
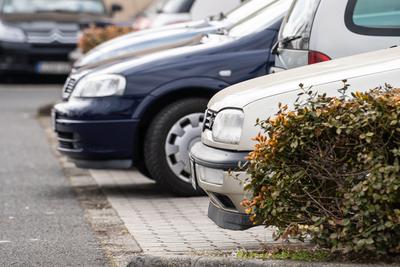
point(229, 124)
point(319, 30)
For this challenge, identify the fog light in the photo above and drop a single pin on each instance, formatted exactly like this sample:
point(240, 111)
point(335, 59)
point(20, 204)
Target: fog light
point(208, 175)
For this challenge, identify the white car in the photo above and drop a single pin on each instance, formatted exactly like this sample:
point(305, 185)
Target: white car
point(319, 30)
point(175, 11)
point(230, 120)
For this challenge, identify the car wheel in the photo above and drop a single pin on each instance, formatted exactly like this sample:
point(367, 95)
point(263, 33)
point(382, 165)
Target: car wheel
point(168, 140)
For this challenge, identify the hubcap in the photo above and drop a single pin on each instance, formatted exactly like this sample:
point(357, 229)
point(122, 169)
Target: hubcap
point(182, 136)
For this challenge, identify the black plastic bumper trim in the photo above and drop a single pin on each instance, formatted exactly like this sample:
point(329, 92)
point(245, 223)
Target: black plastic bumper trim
point(229, 220)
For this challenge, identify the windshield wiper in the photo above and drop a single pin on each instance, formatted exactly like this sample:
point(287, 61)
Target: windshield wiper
point(284, 42)
point(218, 17)
point(56, 11)
point(222, 31)
point(289, 39)
point(221, 16)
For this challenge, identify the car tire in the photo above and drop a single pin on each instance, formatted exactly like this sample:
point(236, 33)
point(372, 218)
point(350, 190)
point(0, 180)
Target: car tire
point(171, 134)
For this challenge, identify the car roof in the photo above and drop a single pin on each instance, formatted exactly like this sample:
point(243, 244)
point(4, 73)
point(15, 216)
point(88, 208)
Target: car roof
point(244, 93)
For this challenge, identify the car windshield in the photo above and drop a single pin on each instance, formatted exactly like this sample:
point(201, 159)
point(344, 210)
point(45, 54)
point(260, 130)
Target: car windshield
point(154, 7)
point(34, 6)
point(269, 15)
point(245, 10)
point(177, 6)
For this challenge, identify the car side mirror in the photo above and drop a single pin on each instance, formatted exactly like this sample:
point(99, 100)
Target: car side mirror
point(116, 8)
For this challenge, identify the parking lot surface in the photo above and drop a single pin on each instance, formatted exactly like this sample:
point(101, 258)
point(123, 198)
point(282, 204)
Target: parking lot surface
point(165, 224)
point(41, 222)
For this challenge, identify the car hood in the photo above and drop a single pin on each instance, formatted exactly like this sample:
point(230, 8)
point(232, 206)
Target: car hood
point(136, 53)
point(154, 31)
point(141, 46)
point(143, 42)
point(148, 60)
point(245, 93)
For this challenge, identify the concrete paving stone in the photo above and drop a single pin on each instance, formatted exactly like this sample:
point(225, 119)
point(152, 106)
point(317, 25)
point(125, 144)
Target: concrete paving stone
point(206, 247)
point(194, 234)
point(162, 223)
point(155, 244)
point(172, 240)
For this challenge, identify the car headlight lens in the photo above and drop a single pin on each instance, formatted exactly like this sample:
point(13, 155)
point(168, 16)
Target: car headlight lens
point(11, 34)
point(227, 127)
point(100, 86)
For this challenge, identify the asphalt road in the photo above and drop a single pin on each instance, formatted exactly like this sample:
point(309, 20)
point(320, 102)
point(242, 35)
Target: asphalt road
point(41, 222)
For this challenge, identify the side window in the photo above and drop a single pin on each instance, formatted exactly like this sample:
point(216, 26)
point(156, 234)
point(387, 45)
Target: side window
point(371, 17)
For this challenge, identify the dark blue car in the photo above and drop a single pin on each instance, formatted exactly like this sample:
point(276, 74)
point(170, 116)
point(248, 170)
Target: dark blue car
point(147, 112)
point(144, 42)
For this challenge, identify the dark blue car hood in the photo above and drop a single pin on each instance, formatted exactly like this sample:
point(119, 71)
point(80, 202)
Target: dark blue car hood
point(145, 42)
point(173, 57)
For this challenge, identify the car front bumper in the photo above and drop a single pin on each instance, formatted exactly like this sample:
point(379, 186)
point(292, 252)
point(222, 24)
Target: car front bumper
point(227, 192)
point(30, 58)
point(94, 140)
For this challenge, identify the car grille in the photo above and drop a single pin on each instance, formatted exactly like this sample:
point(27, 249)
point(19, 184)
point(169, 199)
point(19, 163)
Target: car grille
point(69, 87)
point(63, 36)
point(209, 120)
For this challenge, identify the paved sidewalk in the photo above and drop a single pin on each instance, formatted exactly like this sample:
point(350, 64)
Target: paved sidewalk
point(164, 224)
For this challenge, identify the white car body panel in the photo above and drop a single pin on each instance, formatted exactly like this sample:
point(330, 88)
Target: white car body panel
point(259, 98)
point(331, 36)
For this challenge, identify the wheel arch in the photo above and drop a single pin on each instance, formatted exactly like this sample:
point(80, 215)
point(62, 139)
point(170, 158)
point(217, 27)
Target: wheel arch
point(155, 103)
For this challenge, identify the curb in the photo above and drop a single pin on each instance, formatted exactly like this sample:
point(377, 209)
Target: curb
point(199, 261)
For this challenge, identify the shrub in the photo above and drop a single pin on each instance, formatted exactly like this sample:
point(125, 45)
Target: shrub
point(94, 36)
point(330, 170)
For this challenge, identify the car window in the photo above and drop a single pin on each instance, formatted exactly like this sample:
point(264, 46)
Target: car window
point(269, 15)
point(34, 6)
point(377, 14)
point(298, 23)
point(177, 6)
point(371, 17)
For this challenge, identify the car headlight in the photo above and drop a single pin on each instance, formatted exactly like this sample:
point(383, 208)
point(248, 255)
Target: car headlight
point(227, 127)
point(100, 86)
point(11, 34)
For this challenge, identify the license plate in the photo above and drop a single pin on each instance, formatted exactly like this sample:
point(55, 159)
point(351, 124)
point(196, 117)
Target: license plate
point(53, 67)
point(193, 177)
